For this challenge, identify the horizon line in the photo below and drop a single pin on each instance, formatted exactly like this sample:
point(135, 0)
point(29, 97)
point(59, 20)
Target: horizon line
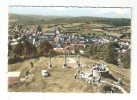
point(67, 16)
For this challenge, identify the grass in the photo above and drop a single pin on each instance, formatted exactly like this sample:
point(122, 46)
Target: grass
point(113, 33)
point(60, 80)
point(107, 89)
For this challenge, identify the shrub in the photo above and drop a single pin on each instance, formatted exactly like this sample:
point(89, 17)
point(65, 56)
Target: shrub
point(14, 59)
point(125, 59)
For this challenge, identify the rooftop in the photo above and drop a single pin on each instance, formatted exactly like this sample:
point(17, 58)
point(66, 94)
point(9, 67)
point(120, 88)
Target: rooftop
point(13, 74)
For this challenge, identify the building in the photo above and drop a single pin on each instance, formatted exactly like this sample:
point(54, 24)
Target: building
point(13, 77)
point(60, 50)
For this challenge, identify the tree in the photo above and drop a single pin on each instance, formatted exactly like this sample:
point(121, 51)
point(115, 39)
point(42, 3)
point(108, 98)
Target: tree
point(44, 48)
point(16, 36)
point(89, 33)
point(23, 38)
point(25, 49)
point(12, 26)
point(104, 34)
point(53, 52)
point(126, 59)
point(17, 49)
point(103, 52)
point(9, 50)
point(29, 49)
point(109, 55)
point(39, 29)
point(93, 34)
point(20, 27)
point(92, 50)
point(9, 47)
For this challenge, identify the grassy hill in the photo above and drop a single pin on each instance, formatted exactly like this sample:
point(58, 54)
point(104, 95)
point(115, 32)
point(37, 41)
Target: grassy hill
point(62, 80)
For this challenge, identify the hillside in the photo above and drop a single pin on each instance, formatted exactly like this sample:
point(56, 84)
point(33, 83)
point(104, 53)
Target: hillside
point(62, 80)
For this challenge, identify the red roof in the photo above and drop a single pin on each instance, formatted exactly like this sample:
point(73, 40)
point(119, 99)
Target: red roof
point(122, 53)
point(59, 50)
point(68, 41)
point(70, 47)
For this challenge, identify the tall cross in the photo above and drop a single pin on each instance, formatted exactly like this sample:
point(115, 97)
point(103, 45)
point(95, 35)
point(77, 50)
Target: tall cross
point(64, 64)
point(78, 62)
point(79, 58)
point(50, 65)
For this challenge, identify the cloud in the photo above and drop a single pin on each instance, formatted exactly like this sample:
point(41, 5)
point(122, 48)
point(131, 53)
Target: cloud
point(112, 10)
point(69, 11)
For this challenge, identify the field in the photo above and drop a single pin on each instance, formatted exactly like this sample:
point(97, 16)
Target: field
point(73, 25)
point(62, 80)
point(81, 28)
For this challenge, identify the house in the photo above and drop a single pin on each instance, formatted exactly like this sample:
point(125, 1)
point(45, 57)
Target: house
point(13, 77)
point(49, 34)
point(56, 39)
point(122, 52)
point(60, 50)
point(81, 51)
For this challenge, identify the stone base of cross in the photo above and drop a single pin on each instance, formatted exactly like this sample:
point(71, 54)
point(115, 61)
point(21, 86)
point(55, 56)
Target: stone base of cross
point(50, 66)
point(78, 65)
point(64, 65)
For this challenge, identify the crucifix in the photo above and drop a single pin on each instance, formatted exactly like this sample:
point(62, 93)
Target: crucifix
point(50, 65)
point(64, 64)
point(78, 62)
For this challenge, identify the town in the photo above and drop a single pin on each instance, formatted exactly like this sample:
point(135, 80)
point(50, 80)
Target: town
point(60, 40)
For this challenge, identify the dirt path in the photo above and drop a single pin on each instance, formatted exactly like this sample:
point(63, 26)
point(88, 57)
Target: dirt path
point(119, 87)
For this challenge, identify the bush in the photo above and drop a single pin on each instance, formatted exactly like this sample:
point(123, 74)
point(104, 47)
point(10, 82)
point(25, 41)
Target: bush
point(103, 52)
point(14, 59)
point(44, 48)
point(125, 59)
point(24, 49)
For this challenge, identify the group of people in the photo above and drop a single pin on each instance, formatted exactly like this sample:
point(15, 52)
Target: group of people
point(99, 67)
point(79, 73)
point(90, 80)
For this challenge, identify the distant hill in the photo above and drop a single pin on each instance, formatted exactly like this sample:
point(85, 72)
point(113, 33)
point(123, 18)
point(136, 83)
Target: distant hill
point(22, 16)
point(40, 19)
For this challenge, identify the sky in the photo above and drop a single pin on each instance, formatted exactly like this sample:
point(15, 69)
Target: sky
point(73, 11)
